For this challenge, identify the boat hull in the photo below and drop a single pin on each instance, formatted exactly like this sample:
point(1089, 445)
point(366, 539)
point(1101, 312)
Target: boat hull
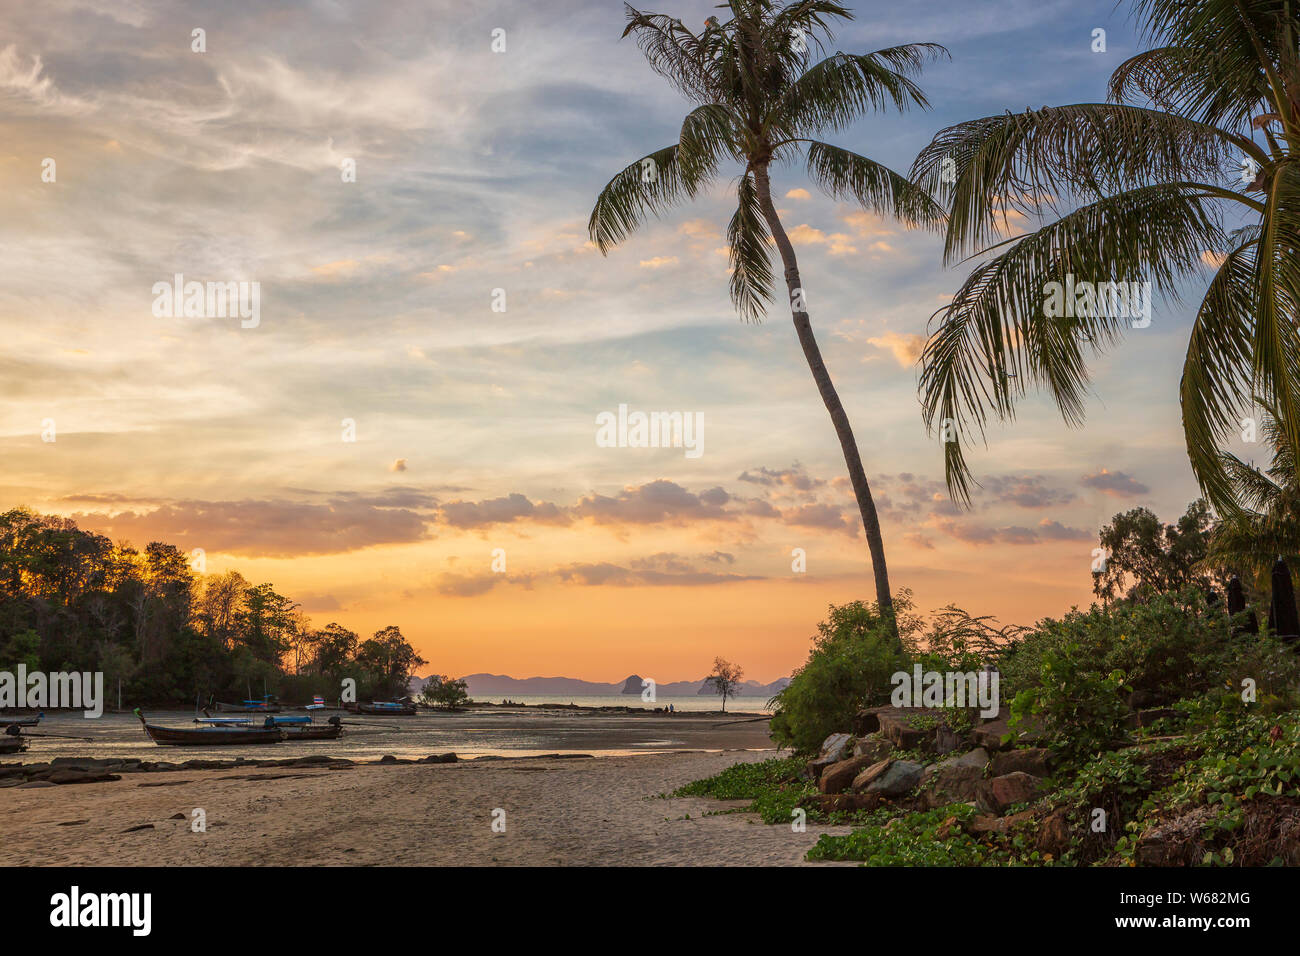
point(326, 732)
point(212, 736)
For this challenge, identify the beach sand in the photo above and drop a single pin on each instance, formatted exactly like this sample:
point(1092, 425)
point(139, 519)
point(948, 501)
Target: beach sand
point(604, 811)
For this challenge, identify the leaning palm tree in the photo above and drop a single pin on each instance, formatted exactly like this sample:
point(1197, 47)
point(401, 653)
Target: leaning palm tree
point(1267, 524)
point(761, 96)
point(1199, 135)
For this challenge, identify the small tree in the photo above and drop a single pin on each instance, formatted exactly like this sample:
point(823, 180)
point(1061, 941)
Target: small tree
point(725, 677)
point(440, 691)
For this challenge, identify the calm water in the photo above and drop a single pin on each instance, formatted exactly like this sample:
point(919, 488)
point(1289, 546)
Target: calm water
point(471, 732)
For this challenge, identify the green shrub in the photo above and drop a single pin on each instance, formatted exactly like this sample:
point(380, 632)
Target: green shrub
point(853, 656)
point(1080, 710)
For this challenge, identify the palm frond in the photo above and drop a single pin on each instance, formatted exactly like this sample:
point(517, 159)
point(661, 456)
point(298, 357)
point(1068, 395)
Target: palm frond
point(997, 339)
point(1026, 162)
point(751, 264)
point(835, 92)
point(846, 175)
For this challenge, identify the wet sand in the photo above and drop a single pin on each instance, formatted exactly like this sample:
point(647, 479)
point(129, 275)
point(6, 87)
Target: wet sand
point(605, 811)
point(499, 731)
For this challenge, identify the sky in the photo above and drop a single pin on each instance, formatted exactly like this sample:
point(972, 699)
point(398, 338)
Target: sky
point(407, 433)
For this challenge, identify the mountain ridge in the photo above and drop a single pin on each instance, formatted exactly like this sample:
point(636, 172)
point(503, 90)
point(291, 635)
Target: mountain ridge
point(499, 685)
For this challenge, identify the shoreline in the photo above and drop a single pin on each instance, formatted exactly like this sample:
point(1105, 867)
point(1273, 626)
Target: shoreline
point(601, 811)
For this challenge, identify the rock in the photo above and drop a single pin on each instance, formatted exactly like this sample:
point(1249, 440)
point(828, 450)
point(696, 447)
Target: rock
point(142, 826)
point(388, 758)
point(955, 783)
point(989, 735)
point(178, 816)
point(440, 758)
point(898, 778)
point(33, 785)
point(1054, 834)
point(895, 728)
point(81, 776)
point(994, 796)
point(979, 757)
point(871, 774)
point(843, 802)
point(834, 749)
point(867, 721)
point(838, 776)
point(945, 740)
point(1030, 760)
point(876, 748)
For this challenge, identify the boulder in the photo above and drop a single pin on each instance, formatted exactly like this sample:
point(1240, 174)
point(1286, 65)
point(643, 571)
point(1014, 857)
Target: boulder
point(834, 749)
point(952, 784)
point(946, 740)
point(876, 748)
point(843, 802)
point(895, 727)
point(867, 721)
point(1030, 760)
point(994, 796)
point(989, 734)
point(34, 785)
point(1054, 834)
point(838, 776)
point(871, 774)
point(440, 758)
point(898, 778)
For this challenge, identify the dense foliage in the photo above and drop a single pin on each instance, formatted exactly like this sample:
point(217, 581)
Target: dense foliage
point(73, 600)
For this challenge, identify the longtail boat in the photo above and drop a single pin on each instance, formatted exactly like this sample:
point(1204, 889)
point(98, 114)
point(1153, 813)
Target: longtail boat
point(22, 721)
point(267, 705)
point(388, 708)
point(209, 736)
point(295, 728)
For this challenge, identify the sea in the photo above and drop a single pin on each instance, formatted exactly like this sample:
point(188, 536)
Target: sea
point(696, 703)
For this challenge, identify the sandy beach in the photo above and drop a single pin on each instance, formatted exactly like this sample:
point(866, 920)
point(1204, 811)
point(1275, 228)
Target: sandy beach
point(604, 811)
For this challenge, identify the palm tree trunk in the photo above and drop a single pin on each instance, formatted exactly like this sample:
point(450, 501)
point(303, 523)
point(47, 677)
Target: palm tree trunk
point(840, 419)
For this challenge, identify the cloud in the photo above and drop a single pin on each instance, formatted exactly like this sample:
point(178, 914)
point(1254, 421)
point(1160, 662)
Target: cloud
point(971, 532)
point(818, 515)
point(662, 569)
point(493, 511)
point(798, 194)
point(658, 262)
point(906, 349)
point(794, 478)
point(398, 465)
point(1025, 491)
point(1117, 484)
point(270, 528)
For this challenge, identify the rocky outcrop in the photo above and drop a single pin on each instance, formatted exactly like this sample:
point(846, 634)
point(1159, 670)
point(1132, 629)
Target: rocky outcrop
point(1030, 760)
point(839, 776)
point(889, 778)
point(954, 780)
point(834, 749)
point(876, 748)
point(996, 795)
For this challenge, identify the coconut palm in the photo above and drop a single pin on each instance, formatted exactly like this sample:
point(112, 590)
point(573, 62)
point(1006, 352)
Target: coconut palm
point(761, 97)
point(1267, 524)
point(1198, 135)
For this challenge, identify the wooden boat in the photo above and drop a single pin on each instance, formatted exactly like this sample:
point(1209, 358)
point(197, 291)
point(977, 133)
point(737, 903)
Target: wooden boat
point(332, 730)
point(267, 705)
point(388, 708)
point(295, 728)
point(209, 736)
point(21, 721)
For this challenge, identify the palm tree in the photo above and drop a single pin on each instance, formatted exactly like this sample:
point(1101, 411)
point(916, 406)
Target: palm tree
point(1267, 525)
point(760, 98)
point(1152, 187)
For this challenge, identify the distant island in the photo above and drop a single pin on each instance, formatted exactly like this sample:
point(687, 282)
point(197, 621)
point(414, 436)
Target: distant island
point(499, 685)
